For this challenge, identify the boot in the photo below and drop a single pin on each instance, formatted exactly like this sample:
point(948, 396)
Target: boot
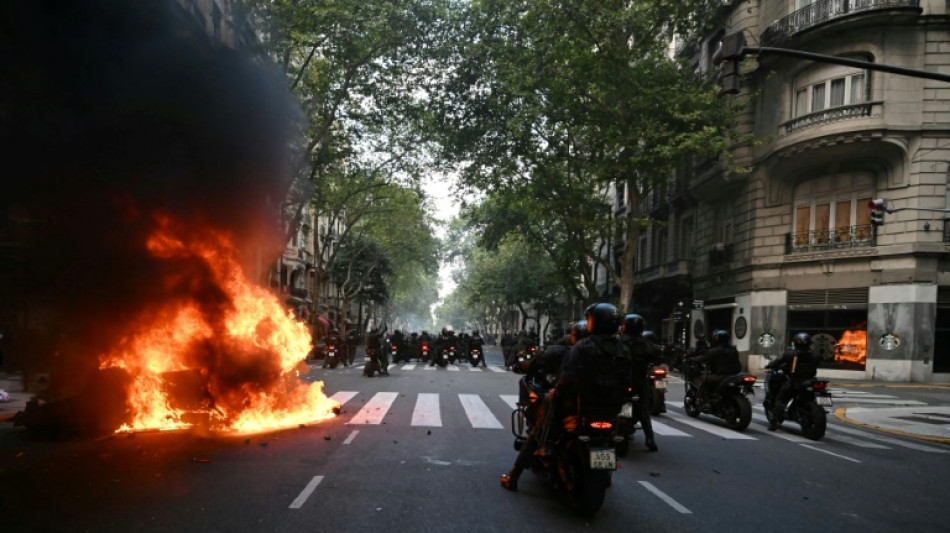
point(651, 445)
point(510, 481)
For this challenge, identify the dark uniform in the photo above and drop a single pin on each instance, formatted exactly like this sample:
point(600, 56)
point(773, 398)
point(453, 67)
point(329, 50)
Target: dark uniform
point(722, 361)
point(799, 364)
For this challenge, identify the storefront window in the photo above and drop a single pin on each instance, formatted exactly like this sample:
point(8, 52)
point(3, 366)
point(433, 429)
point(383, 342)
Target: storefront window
point(839, 336)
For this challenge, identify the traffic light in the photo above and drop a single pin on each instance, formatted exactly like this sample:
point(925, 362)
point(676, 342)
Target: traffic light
point(878, 208)
point(727, 58)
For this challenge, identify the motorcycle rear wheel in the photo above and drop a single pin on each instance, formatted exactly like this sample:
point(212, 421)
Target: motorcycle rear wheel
point(659, 403)
point(737, 413)
point(813, 421)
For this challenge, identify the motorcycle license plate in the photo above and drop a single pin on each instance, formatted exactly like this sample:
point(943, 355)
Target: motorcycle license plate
point(824, 401)
point(660, 384)
point(603, 459)
point(627, 410)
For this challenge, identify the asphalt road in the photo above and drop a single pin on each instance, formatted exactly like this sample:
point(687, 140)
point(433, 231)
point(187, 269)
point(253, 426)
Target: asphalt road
point(428, 459)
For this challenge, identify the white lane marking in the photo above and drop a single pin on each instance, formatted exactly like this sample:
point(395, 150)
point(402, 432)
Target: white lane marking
point(453, 368)
point(426, 412)
point(665, 497)
point(725, 433)
point(845, 457)
point(430, 367)
point(351, 436)
point(888, 440)
point(306, 492)
point(478, 413)
point(475, 369)
point(510, 399)
point(374, 410)
point(497, 369)
point(409, 366)
point(343, 396)
point(668, 431)
point(857, 442)
point(780, 433)
point(878, 401)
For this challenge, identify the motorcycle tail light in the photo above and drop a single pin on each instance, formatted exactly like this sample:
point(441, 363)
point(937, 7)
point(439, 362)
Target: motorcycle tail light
point(819, 385)
point(601, 425)
point(659, 372)
point(748, 379)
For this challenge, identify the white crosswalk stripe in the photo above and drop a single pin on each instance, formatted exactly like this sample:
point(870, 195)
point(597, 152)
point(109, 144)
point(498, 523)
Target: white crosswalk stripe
point(478, 413)
point(427, 411)
point(719, 431)
point(375, 410)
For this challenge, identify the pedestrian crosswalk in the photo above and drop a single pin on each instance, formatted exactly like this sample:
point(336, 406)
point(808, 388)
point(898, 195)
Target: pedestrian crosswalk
point(486, 412)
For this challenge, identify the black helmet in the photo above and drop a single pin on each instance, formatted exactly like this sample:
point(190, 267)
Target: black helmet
point(720, 337)
point(651, 336)
point(578, 331)
point(602, 319)
point(633, 325)
point(801, 341)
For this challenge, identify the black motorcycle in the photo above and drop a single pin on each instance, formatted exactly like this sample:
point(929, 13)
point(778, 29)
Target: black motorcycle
point(374, 364)
point(583, 457)
point(475, 356)
point(445, 357)
point(334, 356)
point(807, 406)
point(729, 401)
point(657, 377)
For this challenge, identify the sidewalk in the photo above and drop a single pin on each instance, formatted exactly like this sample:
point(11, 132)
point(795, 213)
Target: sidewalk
point(903, 417)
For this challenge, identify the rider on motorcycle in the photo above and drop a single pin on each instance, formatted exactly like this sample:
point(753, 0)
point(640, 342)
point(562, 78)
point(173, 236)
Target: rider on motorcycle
point(722, 360)
point(374, 341)
point(799, 364)
point(598, 372)
point(333, 339)
point(548, 362)
point(476, 341)
point(644, 354)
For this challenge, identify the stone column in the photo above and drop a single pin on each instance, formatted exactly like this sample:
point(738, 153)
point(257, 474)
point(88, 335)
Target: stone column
point(901, 321)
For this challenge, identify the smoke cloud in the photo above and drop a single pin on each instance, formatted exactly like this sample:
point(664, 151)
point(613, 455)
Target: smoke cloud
point(109, 112)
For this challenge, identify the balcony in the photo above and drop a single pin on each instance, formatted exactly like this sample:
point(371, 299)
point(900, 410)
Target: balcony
point(823, 240)
point(834, 114)
point(824, 11)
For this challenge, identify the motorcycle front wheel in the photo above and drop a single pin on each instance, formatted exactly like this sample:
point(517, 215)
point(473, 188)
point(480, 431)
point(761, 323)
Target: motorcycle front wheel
point(813, 420)
point(737, 412)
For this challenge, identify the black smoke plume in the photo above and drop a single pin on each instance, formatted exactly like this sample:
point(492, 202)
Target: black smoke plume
point(111, 110)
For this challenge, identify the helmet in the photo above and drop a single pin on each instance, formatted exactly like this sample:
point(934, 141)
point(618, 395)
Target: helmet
point(651, 336)
point(578, 331)
point(633, 325)
point(602, 319)
point(801, 341)
point(720, 337)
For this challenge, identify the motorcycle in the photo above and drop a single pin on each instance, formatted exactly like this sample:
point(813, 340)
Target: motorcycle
point(475, 357)
point(333, 357)
point(583, 457)
point(657, 377)
point(424, 351)
point(729, 401)
point(522, 358)
point(445, 357)
point(374, 364)
point(393, 352)
point(807, 405)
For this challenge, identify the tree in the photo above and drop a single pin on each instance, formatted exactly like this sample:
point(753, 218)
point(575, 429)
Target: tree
point(579, 90)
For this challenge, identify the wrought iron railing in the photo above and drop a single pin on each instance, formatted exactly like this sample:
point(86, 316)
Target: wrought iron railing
point(833, 114)
point(817, 240)
point(823, 11)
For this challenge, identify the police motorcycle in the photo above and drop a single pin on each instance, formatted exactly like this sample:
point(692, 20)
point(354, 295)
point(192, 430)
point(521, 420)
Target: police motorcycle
point(475, 355)
point(657, 376)
point(334, 355)
point(375, 363)
point(425, 349)
point(806, 407)
point(584, 457)
point(628, 418)
point(445, 356)
point(729, 401)
point(522, 358)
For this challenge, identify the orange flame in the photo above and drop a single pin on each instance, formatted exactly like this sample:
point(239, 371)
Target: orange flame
point(852, 347)
point(232, 338)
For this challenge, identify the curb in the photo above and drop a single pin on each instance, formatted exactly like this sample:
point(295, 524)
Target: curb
point(846, 384)
point(841, 413)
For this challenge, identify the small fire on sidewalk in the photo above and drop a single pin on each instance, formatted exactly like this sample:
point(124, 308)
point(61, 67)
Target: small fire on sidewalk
point(222, 349)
